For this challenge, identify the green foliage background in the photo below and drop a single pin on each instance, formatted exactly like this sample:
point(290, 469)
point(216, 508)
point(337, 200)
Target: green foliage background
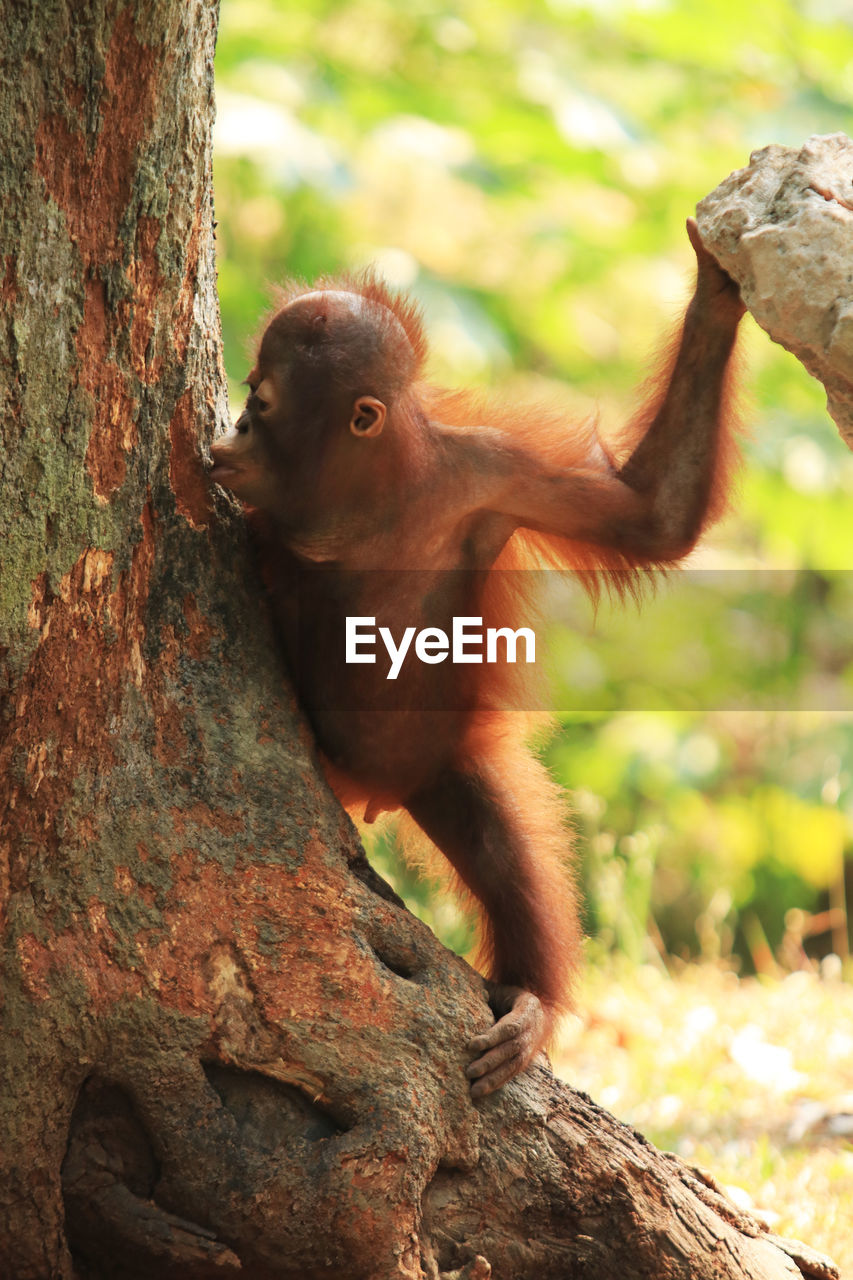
point(525, 169)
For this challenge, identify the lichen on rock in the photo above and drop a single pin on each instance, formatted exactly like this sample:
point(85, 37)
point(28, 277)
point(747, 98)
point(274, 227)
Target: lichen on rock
point(783, 229)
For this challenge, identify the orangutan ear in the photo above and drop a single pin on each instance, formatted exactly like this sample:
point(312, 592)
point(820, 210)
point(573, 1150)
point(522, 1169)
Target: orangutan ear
point(368, 416)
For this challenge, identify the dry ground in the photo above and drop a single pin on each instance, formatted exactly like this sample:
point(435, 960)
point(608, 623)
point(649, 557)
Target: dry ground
point(750, 1079)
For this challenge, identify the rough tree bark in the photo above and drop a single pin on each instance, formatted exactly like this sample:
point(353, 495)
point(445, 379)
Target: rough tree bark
point(226, 1048)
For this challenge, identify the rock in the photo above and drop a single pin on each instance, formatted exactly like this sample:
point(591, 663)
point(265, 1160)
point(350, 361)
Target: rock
point(783, 228)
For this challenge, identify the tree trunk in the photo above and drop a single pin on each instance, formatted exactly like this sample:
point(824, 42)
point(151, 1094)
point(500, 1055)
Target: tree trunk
point(226, 1046)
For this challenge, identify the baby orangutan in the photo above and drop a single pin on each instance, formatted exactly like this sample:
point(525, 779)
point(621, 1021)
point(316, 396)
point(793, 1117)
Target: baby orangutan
point(400, 497)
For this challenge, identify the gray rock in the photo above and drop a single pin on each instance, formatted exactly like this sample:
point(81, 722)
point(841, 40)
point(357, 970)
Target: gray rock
point(783, 228)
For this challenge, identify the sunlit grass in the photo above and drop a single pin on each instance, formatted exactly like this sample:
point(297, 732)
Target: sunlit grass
point(750, 1079)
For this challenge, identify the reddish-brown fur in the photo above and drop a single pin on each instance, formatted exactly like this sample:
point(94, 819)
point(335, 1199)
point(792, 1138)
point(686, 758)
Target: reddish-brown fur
point(387, 497)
